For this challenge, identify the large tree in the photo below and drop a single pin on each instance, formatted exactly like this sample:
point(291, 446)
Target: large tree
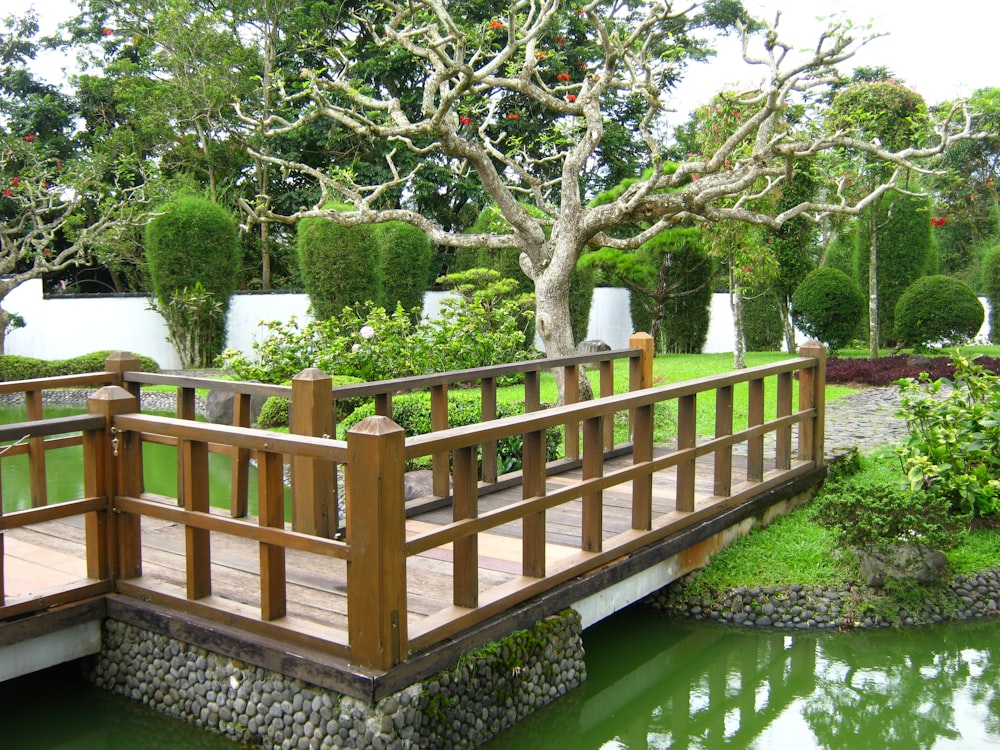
point(490, 74)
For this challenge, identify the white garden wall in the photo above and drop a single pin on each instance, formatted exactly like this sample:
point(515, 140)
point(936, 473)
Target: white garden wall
point(62, 327)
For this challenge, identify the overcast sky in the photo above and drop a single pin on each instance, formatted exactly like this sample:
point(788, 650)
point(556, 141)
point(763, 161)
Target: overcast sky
point(941, 49)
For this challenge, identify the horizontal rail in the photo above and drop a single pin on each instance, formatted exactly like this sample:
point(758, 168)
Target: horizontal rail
point(20, 518)
point(63, 381)
point(212, 384)
point(238, 437)
point(49, 427)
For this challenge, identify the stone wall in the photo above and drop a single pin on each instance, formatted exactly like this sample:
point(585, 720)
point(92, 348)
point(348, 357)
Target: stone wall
point(486, 692)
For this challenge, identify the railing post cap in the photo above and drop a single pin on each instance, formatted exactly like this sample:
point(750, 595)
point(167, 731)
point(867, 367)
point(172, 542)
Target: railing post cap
point(111, 393)
point(640, 336)
point(121, 356)
point(375, 425)
point(311, 373)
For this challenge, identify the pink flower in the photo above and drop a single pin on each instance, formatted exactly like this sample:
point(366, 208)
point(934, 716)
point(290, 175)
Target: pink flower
point(367, 332)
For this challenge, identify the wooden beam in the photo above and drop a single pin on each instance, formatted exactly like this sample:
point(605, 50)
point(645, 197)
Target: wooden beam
point(440, 479)
point(466, 549)
point(687, 422)
point(755, 418)
point(592, 531)
point(271, 513)
point(314, 506)
point(783, 435)
point(240, 491)
point(533, 525)
point(723, 427)
point(197, 542)
point(37, 481)
point(642, 451)
point(488, 412)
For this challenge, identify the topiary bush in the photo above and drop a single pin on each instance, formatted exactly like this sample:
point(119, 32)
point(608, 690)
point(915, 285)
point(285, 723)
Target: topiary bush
point(828, 306)
point(274, 413)
point(937, 310)
point(405, 255)
point(193, 253)
point(762, 325)
point(341, 266)
point(412, 412)
point(14, 367)
point(991, 287)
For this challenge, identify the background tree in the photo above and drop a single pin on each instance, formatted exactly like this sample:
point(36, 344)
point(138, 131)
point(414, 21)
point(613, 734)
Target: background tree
point(991, 288)
point(893, 117)
point(406, 261)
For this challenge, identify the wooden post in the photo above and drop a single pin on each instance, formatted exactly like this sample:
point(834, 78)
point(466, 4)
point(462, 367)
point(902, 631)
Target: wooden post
point(314, 481)
point(642, 452)
point(607, 380)
point(2, 579)
point(36, 452)
point(640, 372)
point(376, 532)
point(120, 363)
point(532, 391)
point(186, 409)
point(112, 466)
point(812, 395)
point(783, 435)
point(641, 369)
point(533, 485)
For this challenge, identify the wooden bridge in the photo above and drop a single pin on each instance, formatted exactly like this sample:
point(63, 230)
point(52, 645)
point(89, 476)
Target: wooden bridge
point(365, 591)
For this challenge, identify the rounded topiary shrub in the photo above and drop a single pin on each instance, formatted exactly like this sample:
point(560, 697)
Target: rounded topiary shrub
point(340, 266)
point(937, 310)
point(828, 306)
point(273, 413)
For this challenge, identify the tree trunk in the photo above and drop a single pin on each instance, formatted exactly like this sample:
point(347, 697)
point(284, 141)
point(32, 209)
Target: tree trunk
point(552, 322)
point(4, 322)
point(786, 321)
point(740, 345)
point(873, 329)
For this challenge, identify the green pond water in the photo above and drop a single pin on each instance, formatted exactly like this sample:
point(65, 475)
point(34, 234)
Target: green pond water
point(653, 683)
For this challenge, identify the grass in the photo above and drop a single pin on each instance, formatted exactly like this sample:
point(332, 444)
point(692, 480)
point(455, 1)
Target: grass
point(796, 549)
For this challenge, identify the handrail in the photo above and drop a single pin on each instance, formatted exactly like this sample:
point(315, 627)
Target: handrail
point(62, 381)
point(48, 427)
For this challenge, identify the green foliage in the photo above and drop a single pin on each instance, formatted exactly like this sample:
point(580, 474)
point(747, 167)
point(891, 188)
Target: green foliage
point(477, 327)
point(581, 299)
point(193, 250)
point(406, 258)
point(274, 413)
point(991, 287)
point(14, 367)
point(762, 326)
point(828, 306)
point(937, 310)
point(886, 110)
point(873, 513)
point(341, 266)
point(953, 450)
point(412, 412)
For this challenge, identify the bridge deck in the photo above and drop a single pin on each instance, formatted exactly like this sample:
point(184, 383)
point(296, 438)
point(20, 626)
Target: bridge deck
point(46, 556)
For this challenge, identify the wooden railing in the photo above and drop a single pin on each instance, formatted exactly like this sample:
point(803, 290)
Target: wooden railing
point(377, 631)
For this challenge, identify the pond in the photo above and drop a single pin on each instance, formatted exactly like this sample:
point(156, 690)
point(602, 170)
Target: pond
point(653, 683)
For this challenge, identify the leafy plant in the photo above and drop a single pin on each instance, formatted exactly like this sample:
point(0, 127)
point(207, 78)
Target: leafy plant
point(195, 321)
point(953, 450)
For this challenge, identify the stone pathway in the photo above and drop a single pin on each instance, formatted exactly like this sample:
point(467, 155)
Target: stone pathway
point(866, 420)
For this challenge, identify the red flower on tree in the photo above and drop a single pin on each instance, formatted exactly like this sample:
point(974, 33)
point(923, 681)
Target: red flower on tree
point(939, 221)
point(30, 137)
point(107, 32)
point(496, 25)
point(563, 77)
point(513, 116)
point(465, 120)
point(16, 182)
point(8, 193)
point(571, 98)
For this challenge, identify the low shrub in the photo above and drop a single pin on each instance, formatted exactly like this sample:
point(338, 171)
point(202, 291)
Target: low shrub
point(938, 310)
point(15, 367)
point(886, 371)
point(412, 412)
point(274, 413)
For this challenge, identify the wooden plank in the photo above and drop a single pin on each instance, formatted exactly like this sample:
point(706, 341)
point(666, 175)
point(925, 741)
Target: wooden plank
point(314, 508)
point(488, 411)
point(571, 430)
point(642, 451)
point(687, 416)
point(186, 410)
point(783, 435)
point(607, 381)
point(723, 427)
point(532, 391)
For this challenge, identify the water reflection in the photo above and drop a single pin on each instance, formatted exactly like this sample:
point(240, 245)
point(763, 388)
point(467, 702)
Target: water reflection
point(654, 683)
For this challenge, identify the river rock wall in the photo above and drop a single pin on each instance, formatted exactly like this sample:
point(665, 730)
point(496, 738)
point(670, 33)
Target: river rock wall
point(486, 692)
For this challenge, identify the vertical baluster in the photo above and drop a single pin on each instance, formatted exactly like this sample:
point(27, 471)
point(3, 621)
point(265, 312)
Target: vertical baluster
point(607, 379)
point(783, 435)
point(533, 525)
point(723, 427)
point(642, 451)
point(755, 418)
point(271, 513)
point(532, 391)
point(186, 409)
point(466, 549)
point(488, 409)
point(441, 482)
point(686, 436)
point(198, 550)
point(571, 430)
point(812, 384)
point(592, 537)
point(240, 471)
point(36, 452)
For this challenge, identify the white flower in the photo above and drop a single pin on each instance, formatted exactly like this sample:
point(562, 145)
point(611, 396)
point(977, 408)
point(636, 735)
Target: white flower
point(367, 332)
point(354, 349)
